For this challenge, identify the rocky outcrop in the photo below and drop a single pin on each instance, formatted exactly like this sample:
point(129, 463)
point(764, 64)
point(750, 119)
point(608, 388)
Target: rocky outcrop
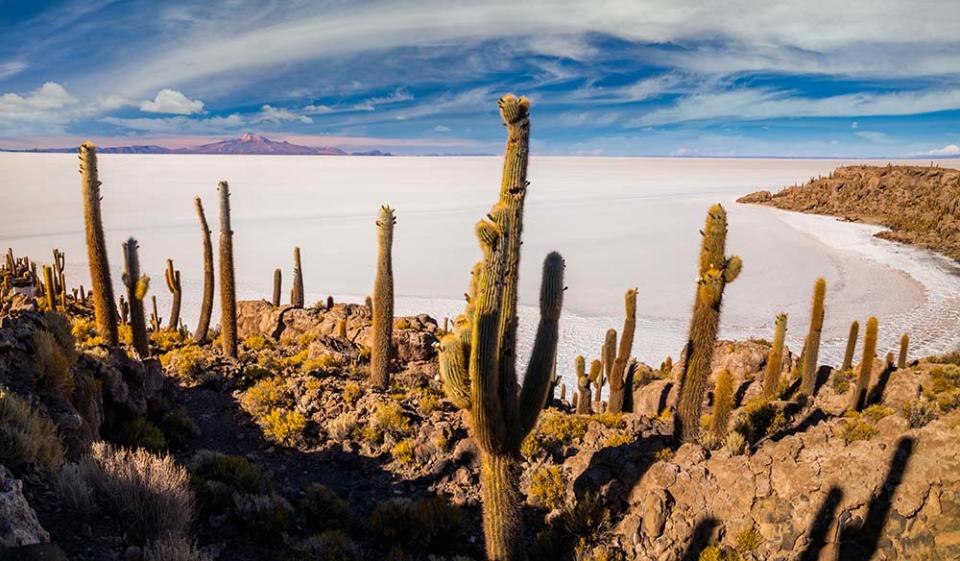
point(920, 205)
point(18, 521)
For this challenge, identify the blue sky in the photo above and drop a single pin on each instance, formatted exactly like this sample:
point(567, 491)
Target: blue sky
point(737, 78)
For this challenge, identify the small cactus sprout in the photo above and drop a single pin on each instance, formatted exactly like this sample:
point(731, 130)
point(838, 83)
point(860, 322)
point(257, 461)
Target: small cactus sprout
point(228, 294)
point(620, 384)
point(771, 375)
point(381, 333)
point(50, 296)
point(277, 282)
point(859, 397)
point(137, 287)
point(716, 270)
point(851, 346)
point(904, 348)
point(296, 290)
point(103, 300)
point(206, 304)
point(155, 319)
point(722, 405)
point(173, 285)
point(583, 386)
point(808, 372)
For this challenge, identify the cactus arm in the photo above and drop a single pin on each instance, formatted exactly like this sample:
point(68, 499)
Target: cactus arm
point(453, 371)
point(536, 383)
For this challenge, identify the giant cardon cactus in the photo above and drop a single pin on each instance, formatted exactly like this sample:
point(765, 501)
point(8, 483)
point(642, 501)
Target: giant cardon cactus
point(137, 287)
point(104, 308)
point(228, 291)
point(478, 360)
point(620, 383)
point(716, 270)
point(206, 304)
point(771, 375)
point(811, 351)
point(381, 330)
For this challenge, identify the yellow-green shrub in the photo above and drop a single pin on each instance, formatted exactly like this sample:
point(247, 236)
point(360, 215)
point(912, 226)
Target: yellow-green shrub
point(403, 451)
point(617, 439)
point(283, 425)
point(856, 427)
point(257, 343)
point(265, 396)
point(53, 361)
point(189, 363)
point(547, 487)
point(27, 437)
point(351, 393)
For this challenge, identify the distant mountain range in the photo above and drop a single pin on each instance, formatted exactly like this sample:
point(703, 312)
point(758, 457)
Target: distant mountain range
point(246, 144)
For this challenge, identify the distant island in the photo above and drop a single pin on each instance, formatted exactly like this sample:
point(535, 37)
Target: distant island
point(248, 143)
point(920, 204)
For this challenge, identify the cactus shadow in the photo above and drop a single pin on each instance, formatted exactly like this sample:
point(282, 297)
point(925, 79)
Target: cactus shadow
point(820, 527)
point(700, 538)
point(876, 392)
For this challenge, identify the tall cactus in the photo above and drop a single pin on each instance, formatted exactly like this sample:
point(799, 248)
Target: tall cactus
point(502, 413)
point(59, 264)
point(619, 382)
point(206, 304)
point(904, 347)
point(716, 270)
point(155, 319)
point(49, 288)
point(173, 285)
point(851, 346)
point(596, 379)
point(381, 332)
point(228, 294)
point(722, 405)
point(859, 397)
point(103, 300)
point(137, 286)
point(771, 375)
point(583, 386)
point(296, 289)
point(811, 355)
point(277, 282)
point(608, 353)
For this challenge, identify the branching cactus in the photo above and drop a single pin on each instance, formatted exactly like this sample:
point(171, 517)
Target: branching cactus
point(173, 285)
point(904, 348)
point(811, 354)
point(59, 263)
point(381, 332)
point(771, 375)
point(583, 386)
point(277, 282)
point(137, 287)
point(716, 270)
point(620, 385)
point(228, 294)
point(481, 375)
point(206, 304)
point(296, 290)
point(859, 397)
point(851, 346)
point(722, 405)
point(103, 299)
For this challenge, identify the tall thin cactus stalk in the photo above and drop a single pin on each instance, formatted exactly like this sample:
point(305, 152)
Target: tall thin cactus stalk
point(620, 385)
point(137, 287)
point(851, 346)
point(277, 284)
point(811, 355)
point(206, 304)
point(173, 285)
point(155, 319)
point(381, 333)
point(104, 308)
point(583, 386)
point(228, 294)
point(716, 270)
point(771, 375)
point(49, 288)
point(904, 348)
point(859, 397)
point(481, 375)
point(296, 289)
point(59, 264)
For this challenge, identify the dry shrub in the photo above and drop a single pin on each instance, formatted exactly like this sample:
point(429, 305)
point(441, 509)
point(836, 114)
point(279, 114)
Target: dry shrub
point(74, 490)
point(323, 509)
point(173, 549)
point(53, 364)
point(342, 427)
point(149, 493)
point(27, 437)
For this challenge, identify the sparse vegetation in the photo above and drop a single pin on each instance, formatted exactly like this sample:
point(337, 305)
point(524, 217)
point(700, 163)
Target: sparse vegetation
point(27, 437)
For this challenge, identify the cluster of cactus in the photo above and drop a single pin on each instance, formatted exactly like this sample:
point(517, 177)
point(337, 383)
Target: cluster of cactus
point(381, 332)
point(206, 304)
point(137, 287)
point(173, 285)
point(477, 360)
point(228, 294)
point(811, 347)
point(771, 373)
point(103, 301)
point(716, 270)
point(296, 289)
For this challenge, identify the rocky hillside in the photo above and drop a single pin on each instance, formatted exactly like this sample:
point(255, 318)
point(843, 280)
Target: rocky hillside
point(919, 205)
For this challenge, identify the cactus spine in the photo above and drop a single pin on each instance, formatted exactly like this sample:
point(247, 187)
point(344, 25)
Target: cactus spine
point(620, 383)
point(228, 295)
point(277, 282)
point(716, 270)
point(500, 415)
point(103, 300)
point(137, 286)
point(173, 285)
point(381, 332)
point(48, 288)
point(583, 386)
point(851, 346)
point(811, 354)
point(722, 405)
point(296, 290)
point(859, 397)
point(771, 375)
point(904, 347)
point(206, 305)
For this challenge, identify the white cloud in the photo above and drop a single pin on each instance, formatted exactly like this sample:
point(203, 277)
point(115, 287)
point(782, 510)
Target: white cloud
point(875, 136)
point(441, 128)
point(173, 102)
point(269, 114)
point(317, 109)
point(371, 104)
point(854, 125)
point(11, 67)
point(50, 103)
point(948, 150)
point(208, 125)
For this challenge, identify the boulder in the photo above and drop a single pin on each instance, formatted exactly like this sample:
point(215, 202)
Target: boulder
point(18, 521)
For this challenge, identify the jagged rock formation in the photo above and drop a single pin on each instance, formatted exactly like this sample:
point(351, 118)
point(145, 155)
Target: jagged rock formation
point(18, 521)
point(920, 205)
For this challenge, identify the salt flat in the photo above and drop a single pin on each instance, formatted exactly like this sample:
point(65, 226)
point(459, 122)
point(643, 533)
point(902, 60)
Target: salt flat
point(619, 222)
